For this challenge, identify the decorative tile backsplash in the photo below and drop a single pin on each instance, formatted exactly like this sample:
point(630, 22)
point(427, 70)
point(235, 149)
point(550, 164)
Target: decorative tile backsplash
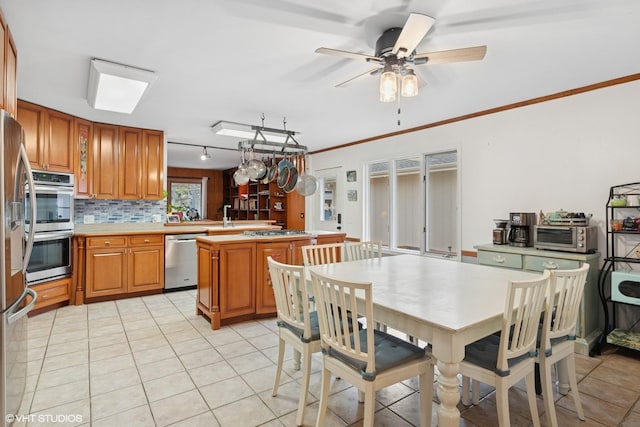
point(119, 211)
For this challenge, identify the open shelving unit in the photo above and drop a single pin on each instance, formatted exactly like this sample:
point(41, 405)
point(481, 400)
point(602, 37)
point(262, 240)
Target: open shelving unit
point(623, 254)
point(260, 202)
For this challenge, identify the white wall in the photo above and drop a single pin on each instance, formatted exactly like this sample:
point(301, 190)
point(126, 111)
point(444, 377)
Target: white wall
point(564, 153)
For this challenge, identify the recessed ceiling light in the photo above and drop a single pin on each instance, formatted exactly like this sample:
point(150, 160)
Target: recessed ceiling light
point(117, 87)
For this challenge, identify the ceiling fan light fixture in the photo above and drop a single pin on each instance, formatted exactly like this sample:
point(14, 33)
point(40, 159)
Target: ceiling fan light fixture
point(409, 84)
point(388, 84)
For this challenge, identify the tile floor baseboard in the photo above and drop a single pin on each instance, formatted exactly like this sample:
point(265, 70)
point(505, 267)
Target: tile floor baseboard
point(151, 361)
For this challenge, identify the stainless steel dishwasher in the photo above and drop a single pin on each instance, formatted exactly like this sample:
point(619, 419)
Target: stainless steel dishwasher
point(181, 261)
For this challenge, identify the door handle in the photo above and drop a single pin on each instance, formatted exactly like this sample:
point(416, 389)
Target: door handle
point(13, 316)
point(34, 210)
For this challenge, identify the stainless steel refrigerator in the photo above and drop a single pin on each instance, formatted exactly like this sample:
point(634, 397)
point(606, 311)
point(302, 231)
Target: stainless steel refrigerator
point(16, 183)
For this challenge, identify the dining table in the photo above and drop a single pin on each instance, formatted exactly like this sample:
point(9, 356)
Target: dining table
point(443, 302)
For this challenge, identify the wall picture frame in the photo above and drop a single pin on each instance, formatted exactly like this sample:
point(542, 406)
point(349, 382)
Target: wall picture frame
point(351, 176)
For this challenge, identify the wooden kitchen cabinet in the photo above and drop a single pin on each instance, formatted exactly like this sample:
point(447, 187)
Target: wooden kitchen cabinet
point(105, 161)
point(120, 264)
point(233, 278)
point(52, 293)
point(152, 185)
point(279, 251)
point(130, 163)
point(8, 69)
point(83, 169)
point(48, 137)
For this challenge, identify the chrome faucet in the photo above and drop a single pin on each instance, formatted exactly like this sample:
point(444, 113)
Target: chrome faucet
point(226, 221)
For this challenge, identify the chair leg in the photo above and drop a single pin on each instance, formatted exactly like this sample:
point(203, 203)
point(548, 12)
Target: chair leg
point(465, 390)
point(502, 405)
point(361, 396)
point(369, 405)
point(304, 388)
point(547, 394)
point(324, 395)
point(426, 397)
point(573, 381)
point(475, 392)
point(531, 396)
point(276, 382)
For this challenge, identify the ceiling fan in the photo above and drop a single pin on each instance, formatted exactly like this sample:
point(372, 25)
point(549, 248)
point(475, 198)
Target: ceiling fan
point(395, 54)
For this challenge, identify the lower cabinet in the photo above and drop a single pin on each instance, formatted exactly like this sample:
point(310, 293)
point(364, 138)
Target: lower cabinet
point(51, 293)
point(233, 277)
point(120, 264)
point(530, 259)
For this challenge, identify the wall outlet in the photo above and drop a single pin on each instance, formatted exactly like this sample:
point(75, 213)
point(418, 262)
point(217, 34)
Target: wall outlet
point(89, 219)
point(157, 218)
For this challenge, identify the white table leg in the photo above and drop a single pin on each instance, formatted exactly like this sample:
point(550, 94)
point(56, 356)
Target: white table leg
point(449, 394)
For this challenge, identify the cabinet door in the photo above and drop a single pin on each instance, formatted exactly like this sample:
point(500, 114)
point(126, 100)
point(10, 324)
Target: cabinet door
point(295, 211)
point(106, 272)
point(130, 163)
point(10, 82)
point(145, 268)
point(31, 117)
point(237, 279)
point(279, 251)
point(105, 161)
point(59, 145)
point(83, 137)
point(3, 71)
point(152, 164)
point(207, 277)
point(296, 251)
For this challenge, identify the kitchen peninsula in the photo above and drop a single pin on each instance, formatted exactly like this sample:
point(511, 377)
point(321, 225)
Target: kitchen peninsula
point(233, 278)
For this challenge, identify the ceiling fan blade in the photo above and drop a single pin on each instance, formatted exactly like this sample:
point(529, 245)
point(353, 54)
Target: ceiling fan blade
point(346, 54)
point(372, 72)
point(414, 30)
point(475, 53)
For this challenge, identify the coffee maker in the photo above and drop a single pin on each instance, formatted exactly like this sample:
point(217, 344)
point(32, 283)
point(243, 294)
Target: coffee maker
point(500, 232)
point(521, 229)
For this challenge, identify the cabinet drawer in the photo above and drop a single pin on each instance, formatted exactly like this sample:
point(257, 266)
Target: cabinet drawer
point(151, 239)
point(538, 263)
point(53, 292)
point(106, 242)
point(499, 259)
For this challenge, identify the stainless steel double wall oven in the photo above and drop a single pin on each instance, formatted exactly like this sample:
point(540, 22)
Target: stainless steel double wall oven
point(51, 255)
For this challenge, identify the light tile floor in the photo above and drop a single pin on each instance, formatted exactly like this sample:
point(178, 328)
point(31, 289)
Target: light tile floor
point(151, 361)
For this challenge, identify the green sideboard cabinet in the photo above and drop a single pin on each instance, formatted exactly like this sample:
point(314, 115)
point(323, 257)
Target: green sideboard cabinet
point(589, 325)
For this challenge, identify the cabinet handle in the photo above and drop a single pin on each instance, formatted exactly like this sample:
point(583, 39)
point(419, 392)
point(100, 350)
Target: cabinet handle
point(107, 243)
point(146, 240)
point(499, 258)
point(214, 257)
point(550, 265)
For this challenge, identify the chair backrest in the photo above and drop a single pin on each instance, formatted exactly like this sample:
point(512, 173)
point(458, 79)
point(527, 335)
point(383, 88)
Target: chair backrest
point(322, 254)
point(521, 320)
point(292, 298)
point(336, 302)
point(566, 290)
point(362, 250)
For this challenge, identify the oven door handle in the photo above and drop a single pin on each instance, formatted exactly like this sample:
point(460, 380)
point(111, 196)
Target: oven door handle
point(52, 235)
point(34, 209)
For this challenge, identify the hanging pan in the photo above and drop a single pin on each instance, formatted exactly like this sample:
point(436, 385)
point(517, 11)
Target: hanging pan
point(293, 179)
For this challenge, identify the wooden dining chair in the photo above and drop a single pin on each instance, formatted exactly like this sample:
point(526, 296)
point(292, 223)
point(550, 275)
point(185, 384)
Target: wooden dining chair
point(501, 360)
point(368, 359)
point(322, 254)
point(362, 250)
point(558, 333)
point(297, 325)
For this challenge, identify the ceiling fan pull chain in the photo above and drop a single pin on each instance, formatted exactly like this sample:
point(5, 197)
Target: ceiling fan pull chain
point(399, 111)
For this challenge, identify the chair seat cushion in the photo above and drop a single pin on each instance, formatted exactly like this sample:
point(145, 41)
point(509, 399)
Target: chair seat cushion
point(484, 353)
point(390, 351)
point(315, 327)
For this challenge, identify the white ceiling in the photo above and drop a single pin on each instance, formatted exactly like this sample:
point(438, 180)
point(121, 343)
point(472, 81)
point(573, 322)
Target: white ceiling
point(235, 60)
